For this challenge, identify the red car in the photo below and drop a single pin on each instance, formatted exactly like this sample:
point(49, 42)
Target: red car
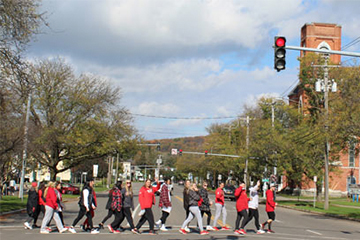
point(69, 189)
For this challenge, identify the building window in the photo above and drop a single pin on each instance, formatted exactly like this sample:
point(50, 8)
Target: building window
point(352, 153)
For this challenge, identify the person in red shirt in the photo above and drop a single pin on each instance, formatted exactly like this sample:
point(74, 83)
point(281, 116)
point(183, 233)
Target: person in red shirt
point(241, 208)
point(270, 207)
point(220, 207)
point(51, 210)
point(146, 200)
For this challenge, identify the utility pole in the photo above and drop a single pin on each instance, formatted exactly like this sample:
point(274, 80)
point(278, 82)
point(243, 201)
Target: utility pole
point(247, 150)
point(26, 128)
point(326, 96)
point(117, 167)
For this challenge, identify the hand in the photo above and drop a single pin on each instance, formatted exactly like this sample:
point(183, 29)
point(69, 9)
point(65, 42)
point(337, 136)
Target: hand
point(94, 208)
point(258, 182)
point(87, 209)
point(211, 203)
point(275, 204)
point(33, 209)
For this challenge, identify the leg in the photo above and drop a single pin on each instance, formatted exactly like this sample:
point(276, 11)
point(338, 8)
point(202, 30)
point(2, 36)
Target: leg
point(196, 212)
point(187, 220)
point(116, 222)
point(256, 216)
point(150, 218)
point(110, 213)
point(164, 217)
point(251, 215)
point(47, 217)
point(58, 223)
point(238, 219)
point(208, 213)
point(127, 213)
point(82, 212)
point(245, 215)
point(224, 214)
point(217, 213)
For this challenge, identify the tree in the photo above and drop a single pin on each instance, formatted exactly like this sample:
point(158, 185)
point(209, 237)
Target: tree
point(76, 118)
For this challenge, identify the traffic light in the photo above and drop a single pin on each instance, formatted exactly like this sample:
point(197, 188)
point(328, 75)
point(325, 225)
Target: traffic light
point(206, 152)
point(180, 152)
point(279, 53)
point(158, 147)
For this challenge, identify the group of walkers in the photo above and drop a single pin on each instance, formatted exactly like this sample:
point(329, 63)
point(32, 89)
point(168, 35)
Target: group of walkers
point(48, 200)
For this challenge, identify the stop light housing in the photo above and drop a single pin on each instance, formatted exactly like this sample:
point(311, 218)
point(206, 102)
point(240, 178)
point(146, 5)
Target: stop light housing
point(206, 153)
point(279, 53)
point(158, 147)
point(180, 152)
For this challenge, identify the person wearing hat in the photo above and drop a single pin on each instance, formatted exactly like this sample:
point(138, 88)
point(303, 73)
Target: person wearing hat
point(86, 203)
point(32, 206)
point(270, 207)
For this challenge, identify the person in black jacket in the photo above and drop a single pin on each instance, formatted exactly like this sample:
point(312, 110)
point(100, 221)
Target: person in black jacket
point(32, 206)
point(186, 201)
point(205, 205)
point(108, 206)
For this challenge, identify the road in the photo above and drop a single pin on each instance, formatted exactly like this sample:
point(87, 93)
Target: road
point(290, 224)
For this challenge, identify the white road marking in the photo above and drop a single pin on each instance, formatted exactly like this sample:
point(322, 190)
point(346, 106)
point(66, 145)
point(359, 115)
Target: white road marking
point(313, 232)
point(134, 212)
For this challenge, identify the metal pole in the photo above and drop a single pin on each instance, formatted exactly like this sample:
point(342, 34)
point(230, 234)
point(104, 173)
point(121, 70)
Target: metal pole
point(247, 149)
point(326, 96)
point(117, 167)
point(26, 127)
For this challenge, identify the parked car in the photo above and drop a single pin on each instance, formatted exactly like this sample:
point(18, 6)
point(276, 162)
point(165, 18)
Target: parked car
point(229, 192)
point(181, 182)
point(69, 189)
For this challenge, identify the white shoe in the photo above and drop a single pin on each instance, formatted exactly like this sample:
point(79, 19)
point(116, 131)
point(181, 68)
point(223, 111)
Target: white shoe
point(63, 230)
point(72, 230)
point(260, 231)
point(187, 229)
point(158, 222)
point(27, 225)
point(209, 228)
point(95, 231)
point(44, 231)
point(163, 228)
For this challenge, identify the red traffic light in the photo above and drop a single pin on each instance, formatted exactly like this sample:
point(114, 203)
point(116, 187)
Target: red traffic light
point(206, 151)
point(180, 150)
point(280, 42)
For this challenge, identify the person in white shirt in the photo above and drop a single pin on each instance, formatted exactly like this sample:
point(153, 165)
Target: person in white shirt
point(253, 207)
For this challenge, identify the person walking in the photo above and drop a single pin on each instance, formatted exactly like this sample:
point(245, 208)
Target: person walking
point(194, 201)
point(51, 210)
point(116, 206)
point(186, 201)
point(270, 208)
point(164, 203)
point(220, 207)
point(146, 200)
point(32, 206)
point(253, 207)
point(61, 206)
point(205, 206)
point(86, 202)
point(128, 204)
point(86, 226)
point(241, 208)
point(108, 207)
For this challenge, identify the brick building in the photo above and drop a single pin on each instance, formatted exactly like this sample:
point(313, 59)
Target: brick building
point(328, 36)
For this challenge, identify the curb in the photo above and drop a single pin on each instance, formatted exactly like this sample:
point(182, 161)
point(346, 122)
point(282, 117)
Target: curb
point(324, 214)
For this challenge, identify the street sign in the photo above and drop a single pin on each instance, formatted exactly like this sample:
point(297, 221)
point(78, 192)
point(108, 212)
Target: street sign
point(265, 180)
point(95, 170)
point(174, 151)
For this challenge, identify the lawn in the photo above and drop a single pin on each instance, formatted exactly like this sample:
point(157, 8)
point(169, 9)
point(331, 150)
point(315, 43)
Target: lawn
point(11, 203)
point(333, 210)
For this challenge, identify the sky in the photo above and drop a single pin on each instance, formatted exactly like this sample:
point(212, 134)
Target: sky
point(183, 65)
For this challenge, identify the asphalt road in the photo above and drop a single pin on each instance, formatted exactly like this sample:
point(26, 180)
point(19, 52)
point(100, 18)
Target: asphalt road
point(289, 224)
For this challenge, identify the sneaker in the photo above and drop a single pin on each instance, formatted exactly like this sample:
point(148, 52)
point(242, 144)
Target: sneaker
point(110, 228)
point(35, 226)
point(209, 228)
point(225, 228)
point(116, 231)
point(44, 231)
point(152, 232)
point(215, 229)
point(183, 231)
point(242, 231)
point(72, 230)
point(270, 231)
point(96, 231)
point(49, 229)
point(82, 227)
point(163, 228)
point(187, 229)
point(204, 233)
point(135, 231)
point(158, 222)
point(260, 231)
point(27, 225)
point(63, 230)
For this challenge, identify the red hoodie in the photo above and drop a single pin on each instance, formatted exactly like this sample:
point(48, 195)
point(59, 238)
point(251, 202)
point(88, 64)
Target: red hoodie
point(270, 203)
point(51, 199)
point(241, 199)
point(41, 200)
point(147, 196)
point(219, 196)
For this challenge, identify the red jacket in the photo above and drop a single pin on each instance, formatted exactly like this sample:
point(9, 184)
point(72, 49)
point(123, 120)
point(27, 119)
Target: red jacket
point(147, 196)
point(219, 196)
point(51, 199)
point(270, 203)
point(41, 200)
point(241, 199)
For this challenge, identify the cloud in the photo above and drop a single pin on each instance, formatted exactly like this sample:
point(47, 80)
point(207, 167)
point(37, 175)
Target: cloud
point(154, 108)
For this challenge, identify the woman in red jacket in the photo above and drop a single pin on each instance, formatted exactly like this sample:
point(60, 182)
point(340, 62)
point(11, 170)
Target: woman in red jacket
point(146, 200)
point(51, 210)
point(241, 208)
point(270, 207)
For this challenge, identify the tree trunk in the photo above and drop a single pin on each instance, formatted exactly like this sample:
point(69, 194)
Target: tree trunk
point(318, 191)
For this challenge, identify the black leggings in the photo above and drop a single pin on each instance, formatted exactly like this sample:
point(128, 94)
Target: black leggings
point(83, 212)
point(110, 213)
point(208, 213)
point(241, 214)
point(127, 213)
point(149, 216)
point(254, 213)
point(164, 217)
point(118, 217)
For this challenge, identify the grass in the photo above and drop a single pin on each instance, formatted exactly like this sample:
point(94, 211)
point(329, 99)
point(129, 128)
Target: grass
point(333, 210)
point(11, 203)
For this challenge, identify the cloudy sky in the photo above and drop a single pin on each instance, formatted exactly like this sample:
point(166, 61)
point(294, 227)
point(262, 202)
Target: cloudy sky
point(186, 62)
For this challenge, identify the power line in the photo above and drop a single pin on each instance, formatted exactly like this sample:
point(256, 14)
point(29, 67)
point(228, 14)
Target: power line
point(353, 42)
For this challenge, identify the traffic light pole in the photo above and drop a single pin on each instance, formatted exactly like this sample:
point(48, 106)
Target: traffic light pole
point(352, 54)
